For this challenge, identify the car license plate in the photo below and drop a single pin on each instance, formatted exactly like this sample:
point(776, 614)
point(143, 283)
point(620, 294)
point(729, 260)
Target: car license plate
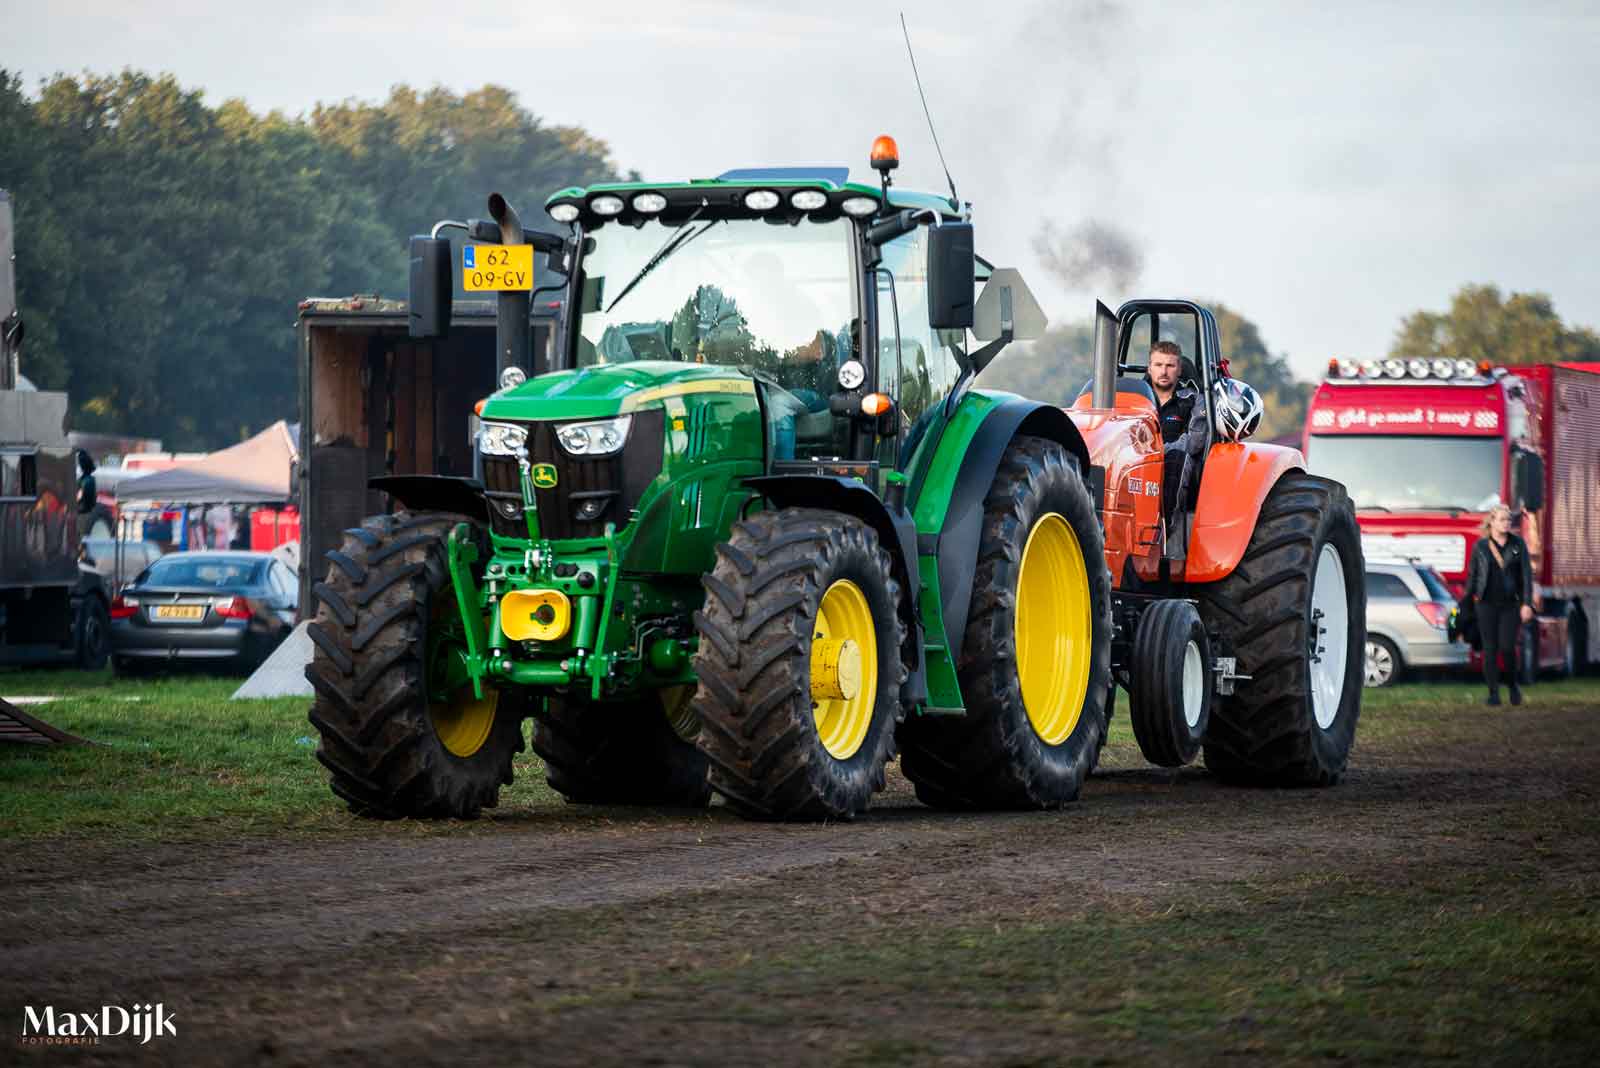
point(493, 268)
point(179, 611)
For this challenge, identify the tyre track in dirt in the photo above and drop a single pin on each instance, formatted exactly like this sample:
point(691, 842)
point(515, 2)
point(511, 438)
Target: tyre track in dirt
point(179, 910)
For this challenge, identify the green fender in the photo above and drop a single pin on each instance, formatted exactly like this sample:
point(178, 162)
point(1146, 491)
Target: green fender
point(950, 485)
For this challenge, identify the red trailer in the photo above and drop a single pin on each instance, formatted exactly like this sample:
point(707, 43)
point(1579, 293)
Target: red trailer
point(1427, 447)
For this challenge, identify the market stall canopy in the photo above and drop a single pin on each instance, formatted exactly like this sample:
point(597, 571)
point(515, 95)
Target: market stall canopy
point(252, 472)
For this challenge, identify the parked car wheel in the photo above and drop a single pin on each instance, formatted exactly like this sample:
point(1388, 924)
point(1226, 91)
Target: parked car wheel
point(1384, 666)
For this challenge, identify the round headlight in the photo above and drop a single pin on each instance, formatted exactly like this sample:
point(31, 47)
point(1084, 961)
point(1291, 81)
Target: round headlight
point(1442, 368)
point(859, 206)
point(1394, 368)
point(1372, 368)
point(1349, 369)
point(600, 437)
point(761, 200)
point(1418, 368)
point(809, 199)
point(512, 377)
point(502, 439)
point(575, 439)
point(606, 205)
point(1466, 368)
point(564, 213)
point(649, 203)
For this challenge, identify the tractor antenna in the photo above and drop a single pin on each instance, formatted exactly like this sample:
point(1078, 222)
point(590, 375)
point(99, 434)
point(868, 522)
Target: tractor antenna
point(955, 200)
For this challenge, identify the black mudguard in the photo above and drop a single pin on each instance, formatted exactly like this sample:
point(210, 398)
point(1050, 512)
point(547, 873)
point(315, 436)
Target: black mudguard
point(435, 493)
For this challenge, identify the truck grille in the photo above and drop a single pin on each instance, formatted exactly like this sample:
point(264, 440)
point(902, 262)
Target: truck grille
point(610, 486)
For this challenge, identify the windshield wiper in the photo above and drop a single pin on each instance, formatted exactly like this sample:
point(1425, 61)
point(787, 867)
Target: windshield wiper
point(674, 243)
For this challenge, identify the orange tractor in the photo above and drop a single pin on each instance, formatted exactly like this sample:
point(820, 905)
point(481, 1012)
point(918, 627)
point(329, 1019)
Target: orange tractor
point(1239, 599)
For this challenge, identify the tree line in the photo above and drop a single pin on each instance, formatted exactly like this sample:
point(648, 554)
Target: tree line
point(162, 243)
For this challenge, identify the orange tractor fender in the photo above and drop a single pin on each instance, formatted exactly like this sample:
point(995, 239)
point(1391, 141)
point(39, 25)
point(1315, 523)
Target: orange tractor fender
point(1234, 482)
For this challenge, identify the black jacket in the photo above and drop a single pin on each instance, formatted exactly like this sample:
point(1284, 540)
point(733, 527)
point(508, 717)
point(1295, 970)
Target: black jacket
point(1515, 554)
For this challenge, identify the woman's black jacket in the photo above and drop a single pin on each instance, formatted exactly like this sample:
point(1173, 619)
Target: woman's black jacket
point(1515, 554)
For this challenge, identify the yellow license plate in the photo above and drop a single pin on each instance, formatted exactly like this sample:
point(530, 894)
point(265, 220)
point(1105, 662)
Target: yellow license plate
point(179, 611)
point(492, 268)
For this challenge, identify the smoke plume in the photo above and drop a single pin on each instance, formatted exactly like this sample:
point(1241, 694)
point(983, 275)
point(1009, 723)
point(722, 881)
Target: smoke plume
point(1082, 58)
point(1089, 255)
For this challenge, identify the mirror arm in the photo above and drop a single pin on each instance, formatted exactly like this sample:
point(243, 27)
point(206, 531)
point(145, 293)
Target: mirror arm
point(985, 356)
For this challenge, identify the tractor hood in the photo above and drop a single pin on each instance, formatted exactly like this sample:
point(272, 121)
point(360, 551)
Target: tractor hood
point(610, 389)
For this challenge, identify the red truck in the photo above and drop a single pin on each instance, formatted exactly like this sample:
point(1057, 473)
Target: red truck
point(1426, 447)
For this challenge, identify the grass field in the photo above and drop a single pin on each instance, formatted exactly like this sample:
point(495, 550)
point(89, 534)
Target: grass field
point(177, 759)
point(1438, 908)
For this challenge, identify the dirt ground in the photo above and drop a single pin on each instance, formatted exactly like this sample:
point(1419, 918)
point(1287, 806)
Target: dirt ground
point(1162, 916)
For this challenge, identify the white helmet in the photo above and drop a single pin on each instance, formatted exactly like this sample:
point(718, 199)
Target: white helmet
point(1236, 409)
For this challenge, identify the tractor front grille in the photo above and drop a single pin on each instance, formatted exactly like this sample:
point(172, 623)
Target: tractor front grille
point(609, 486)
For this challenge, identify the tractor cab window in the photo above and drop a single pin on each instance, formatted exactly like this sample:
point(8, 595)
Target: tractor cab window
point(916, 363)
point(776, 300)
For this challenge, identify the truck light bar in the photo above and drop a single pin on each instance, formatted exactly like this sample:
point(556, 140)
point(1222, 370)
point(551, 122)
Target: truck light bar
point(1412, 370)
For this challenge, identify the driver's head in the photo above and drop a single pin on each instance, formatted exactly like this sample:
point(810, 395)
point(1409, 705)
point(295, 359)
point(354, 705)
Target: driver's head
point(1165, 360)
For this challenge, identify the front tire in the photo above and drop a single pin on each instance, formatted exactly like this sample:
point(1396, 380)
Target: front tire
point(800, 665)
point(619, 754)
point(381, 636)
point(1035, 667)
point(1294, 614)
point(1170, 703)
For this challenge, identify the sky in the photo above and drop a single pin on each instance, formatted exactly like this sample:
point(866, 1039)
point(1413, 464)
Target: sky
point(1324, 169)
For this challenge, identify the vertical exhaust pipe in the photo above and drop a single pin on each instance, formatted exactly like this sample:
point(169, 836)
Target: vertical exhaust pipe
point(513, 330)
point(1105, 357)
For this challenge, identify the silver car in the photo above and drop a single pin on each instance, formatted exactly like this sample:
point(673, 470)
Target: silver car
point(1410, 617)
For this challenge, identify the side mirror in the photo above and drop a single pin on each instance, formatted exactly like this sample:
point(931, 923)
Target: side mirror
point(991, 317)
point(1527, 477)
point(431, 292)
point(950, 272)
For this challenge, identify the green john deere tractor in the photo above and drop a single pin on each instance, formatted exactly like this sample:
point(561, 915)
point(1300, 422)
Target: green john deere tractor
point(749, 532)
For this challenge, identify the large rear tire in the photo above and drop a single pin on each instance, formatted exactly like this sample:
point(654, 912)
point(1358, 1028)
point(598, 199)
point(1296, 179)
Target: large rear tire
point(1035, 666)
point(800, 665)
point(619, 754)
point(383, 631)
point(1294, 613)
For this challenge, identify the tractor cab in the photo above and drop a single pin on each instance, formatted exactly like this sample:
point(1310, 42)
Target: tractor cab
point(1153, 471)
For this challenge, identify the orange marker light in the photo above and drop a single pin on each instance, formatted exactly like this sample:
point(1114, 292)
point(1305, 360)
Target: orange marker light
point(1484, 367)
point(477, 409)
point(1333, 365)
point(876, 403)
point(885, 153)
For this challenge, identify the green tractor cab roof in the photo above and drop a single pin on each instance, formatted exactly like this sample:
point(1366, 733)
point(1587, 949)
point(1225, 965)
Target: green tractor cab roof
point(750, 193)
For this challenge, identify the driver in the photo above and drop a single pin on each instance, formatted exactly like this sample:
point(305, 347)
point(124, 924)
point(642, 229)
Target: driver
point(1183, 423)
point(1174, 403)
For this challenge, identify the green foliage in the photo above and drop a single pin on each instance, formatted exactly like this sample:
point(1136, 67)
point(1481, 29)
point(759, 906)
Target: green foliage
point(1249, 360)
point(162, 243)
point(1483, 325)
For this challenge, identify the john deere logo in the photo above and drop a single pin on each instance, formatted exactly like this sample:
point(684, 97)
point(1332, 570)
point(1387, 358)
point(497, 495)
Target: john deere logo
point(544, 476)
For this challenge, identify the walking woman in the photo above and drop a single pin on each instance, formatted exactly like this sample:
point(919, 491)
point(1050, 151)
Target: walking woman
point(1500, 580)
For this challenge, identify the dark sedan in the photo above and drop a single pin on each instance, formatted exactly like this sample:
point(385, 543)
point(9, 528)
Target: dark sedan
point(227, 609)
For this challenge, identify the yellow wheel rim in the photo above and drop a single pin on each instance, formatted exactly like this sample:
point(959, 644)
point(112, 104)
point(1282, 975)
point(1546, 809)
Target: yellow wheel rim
point(844, 669)
point(1054, 632)
point(463, 723)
